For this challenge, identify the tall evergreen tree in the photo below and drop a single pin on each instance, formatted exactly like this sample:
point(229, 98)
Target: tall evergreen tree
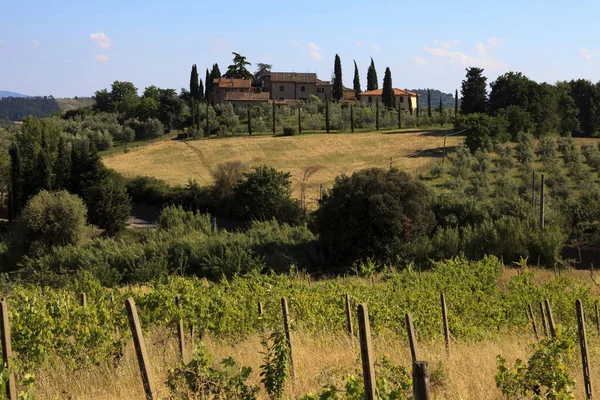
point(356, 82)
point(456, 102)
point(216, 72)
point(372, 77)
point(207, 85)
point(238, 69)
point(337, 91)
point(387, 95)
point(201, 89)
point(474, 92)
point(194, 89)
point(429, 103)
point(441, 109)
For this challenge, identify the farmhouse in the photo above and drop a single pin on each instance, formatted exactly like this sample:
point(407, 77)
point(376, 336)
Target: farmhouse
point(238, 92)
point(295, 86)
point(401, 97)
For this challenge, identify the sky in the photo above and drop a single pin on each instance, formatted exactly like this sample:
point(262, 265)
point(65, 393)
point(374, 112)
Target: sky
point(73, 48)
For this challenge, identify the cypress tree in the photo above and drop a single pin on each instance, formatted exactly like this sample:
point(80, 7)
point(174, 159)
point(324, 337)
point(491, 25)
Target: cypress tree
point(356, 82)
point(338, 86)
point(249, 122)
point(428, 103)
point(63, 165)
point(208, 84)
point(372, 77)
point(377, 113)
point(326, 113)
point(474, 92)
point(387, 95)
point(456, 102)
point(194, 89)
point(201, 89)
point(216, 73)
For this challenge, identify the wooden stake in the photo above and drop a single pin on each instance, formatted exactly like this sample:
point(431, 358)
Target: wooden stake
point(532, 317)
point(445, 322)
point(180, 332)
point(366, 352)
point(349, 318)
point(412, 339)
point(140, 348)
point(550, 319)
point(7, 354)
point(587, 382)
point(544, 322)
point(286, 326)
point(260, 309)
point(83, 300)
point(420, 380)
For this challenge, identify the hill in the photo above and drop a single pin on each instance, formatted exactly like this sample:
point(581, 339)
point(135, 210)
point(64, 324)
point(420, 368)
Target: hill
point(4, 93)
point(178, 161)
point(17, 108)
point(69, 104)
point(447, 98)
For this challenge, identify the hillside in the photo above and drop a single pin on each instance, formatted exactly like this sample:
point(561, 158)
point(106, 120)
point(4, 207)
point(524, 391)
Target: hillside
point(69, 104)
point(4, 93)
point(447, 98)
point(17, 108)
point(177, 161)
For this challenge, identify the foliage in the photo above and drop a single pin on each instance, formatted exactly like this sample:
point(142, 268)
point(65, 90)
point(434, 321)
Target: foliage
point(337, 90)
point(387, 95)
point(275, 368)
point(474, 92)
point(18, 108)
point(108, 202)
point(237, 69)
point(290, 130)
point(372, 82)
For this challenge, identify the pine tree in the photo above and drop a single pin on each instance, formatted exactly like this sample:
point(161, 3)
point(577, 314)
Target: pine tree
point(456, 102)
point(356, 82)
point(372, 77)
point(387, 95)
point(474, 92)
point(194, 89)
point(429, 103)
point(337, 90)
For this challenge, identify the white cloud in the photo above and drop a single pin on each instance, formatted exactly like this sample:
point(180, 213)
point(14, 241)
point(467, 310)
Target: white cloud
point(418, 61)
point(446, 44)
point(483, 58)
point(219, 45)
point(35, 43)
point(315, 52)
point(375, 47)
point(360, 44)
point(101, 58)
point(588, 54)
point(101, 40)
point(295, 43)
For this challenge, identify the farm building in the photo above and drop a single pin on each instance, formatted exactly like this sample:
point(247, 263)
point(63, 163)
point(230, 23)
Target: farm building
point(402, 98)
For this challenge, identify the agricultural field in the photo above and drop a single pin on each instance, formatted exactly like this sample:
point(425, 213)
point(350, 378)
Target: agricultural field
point(178, 161)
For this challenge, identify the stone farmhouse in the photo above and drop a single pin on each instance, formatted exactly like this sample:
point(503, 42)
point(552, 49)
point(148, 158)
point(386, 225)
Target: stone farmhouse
point(285, 87)
point(238, 92)
point(402, 98)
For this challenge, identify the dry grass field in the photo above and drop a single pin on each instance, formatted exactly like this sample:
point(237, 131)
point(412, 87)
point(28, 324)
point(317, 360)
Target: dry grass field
point(177, 161)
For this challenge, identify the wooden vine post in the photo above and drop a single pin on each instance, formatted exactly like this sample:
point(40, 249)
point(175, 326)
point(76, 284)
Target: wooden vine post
point(349, 317)
point(274, 119)
point(260, 309)
point(420, 380)
point(587, 382)
point(445, 322)
point(544, 323)
point(286, 326)
point(377, 113)
point(326, 113)
point(7, 354)
point(249, 122)
point(180, 331)
point(83, 300)
point(550, 319)
point(140, 348)
point(412, 339)
point(299, 119)
point(532, 318)
point(366, 352)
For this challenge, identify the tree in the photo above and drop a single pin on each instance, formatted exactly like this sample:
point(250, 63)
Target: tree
point(441, 109)
point(372, 77)
point(474, 92)
point(264, 194)
point(567, 110)
point(108, 203)
point(337, 90)
point(429, 103)
point(194, 88)
point(456, 102)
point(587, 97)
point(238, 69)
point(103, 101)
point(356, 82)
point(201, 89)
point(51, 219)
point(387, 95)
point(262, 71)
point(169, 108)
point(125, 98)
point(208, 86)
point(373, 213)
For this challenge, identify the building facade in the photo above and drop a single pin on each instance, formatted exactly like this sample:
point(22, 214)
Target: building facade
point(295, 86)
point(238, 92)
point(401, 97)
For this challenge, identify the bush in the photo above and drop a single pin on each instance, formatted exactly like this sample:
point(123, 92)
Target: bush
point(153, 128)
point(481, 130)
point(547, 150)
point(290, 131)
point(373, 213)
point(314, 122)
point(51, 219)
point(108, 202)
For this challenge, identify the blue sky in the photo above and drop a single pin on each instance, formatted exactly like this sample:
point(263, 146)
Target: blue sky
point(72, 48)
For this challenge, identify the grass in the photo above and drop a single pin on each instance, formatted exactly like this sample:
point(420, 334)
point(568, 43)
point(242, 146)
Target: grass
point(468, 373)
point(178, 161)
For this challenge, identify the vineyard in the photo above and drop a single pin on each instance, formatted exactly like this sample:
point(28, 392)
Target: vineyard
point(82, 330)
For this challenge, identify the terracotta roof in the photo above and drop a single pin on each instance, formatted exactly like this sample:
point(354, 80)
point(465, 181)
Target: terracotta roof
point(397, 92)
point(232, 83)
point(300, 77)
point(323, 83)
point(246, 96)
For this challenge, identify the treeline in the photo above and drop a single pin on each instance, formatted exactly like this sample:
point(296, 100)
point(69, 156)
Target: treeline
point(517, 104)
point(17, 108)
point(448, 100)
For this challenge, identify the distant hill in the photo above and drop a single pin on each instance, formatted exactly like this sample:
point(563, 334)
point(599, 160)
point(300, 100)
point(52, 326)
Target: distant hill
point(16, 108)
point(447, 98)
point(4, 93)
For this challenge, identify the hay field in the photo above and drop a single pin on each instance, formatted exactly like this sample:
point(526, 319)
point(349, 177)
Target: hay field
point(177, 161)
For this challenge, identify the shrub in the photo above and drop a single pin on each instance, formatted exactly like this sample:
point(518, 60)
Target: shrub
point(481, 130)
point(373, 213)
point(461, 164)
point(108, 202)
point(547, 150)
point(524, 149)
point(314, 122)
point(153, 128)
point(290, 131)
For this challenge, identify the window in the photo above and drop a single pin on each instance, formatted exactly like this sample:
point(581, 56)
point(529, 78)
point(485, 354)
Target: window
point(281, 88)
point(242, 90)
point(302, 89)
point(401, 99)
point(370, 99)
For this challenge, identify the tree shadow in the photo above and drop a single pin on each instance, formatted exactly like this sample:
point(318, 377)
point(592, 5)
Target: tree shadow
point(438, 152)
point(422, 132)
